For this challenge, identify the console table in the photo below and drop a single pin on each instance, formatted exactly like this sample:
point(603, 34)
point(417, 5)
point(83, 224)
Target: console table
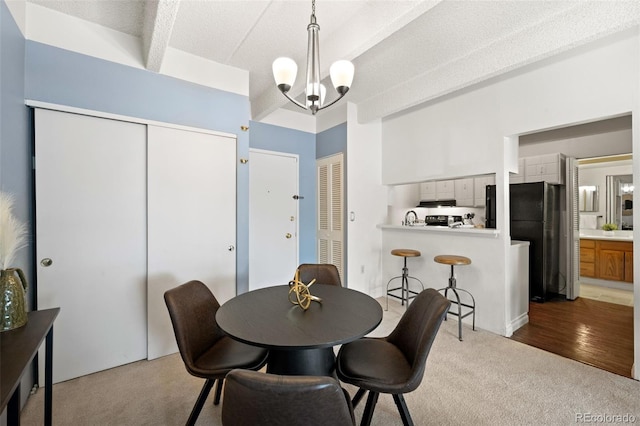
point(18, 347)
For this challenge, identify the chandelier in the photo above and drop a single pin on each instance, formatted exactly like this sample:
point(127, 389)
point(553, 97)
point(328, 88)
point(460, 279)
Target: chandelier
point(285, 70)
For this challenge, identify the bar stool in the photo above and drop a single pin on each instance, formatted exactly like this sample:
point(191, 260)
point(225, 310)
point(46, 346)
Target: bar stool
point(449, 259)
point(406, 294)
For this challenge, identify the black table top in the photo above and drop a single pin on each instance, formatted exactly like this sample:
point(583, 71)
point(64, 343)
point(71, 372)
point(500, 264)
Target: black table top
point(267, 318)
point(19, 346)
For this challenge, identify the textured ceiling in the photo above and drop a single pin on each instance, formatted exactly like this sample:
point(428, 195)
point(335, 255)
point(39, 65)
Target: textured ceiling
point(405, 52)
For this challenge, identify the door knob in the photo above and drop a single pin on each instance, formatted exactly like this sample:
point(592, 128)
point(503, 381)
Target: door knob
point(288, 235)
point(46, 262)
point(231, 248)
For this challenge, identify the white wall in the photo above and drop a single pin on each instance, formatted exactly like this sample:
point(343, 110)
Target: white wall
point(596, 145)
point(367, 202)
point(460, 136)
point(472, 133)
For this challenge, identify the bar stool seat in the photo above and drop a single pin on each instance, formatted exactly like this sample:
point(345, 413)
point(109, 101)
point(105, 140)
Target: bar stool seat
point(453, 260)
point(406, 293)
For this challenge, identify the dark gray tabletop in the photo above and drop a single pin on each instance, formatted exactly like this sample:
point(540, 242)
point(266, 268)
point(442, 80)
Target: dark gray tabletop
point(267, 318)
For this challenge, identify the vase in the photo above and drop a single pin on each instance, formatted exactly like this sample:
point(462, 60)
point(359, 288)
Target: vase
point(13, 306)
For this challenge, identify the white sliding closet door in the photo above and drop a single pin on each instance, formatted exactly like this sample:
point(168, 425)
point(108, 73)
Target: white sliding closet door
point(191, 221)
point(91, 236)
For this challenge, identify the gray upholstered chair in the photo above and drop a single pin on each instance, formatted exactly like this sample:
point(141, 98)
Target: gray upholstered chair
point(394, 364)
point(253, 398)
point(323, 273)
point(205, 349)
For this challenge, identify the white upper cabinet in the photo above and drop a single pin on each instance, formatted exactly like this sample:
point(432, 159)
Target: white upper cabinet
point(464, 190)
point(445, 189)
point(545, 168)
point(480, 188)
point(428, 191)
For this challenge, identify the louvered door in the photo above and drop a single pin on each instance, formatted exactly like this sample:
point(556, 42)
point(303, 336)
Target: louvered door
point(573, 234)
point(330, 212)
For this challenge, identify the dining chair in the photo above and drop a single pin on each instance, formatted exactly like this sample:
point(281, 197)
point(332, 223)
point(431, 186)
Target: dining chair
point(394, 364)
point(254, 398)
point(323, 273)
point(207, 352)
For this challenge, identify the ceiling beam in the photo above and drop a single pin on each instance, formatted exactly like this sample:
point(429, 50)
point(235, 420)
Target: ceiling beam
point(160, 15)
point(581, 24)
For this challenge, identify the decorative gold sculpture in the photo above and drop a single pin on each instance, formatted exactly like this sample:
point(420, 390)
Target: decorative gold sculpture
point(299, 292)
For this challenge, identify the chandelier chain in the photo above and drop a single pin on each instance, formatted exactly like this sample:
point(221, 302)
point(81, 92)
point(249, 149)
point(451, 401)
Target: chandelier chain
point(313, 7)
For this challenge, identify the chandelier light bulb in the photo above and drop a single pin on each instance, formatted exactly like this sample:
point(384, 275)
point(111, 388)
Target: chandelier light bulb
point(342, 75)
point(284, 73)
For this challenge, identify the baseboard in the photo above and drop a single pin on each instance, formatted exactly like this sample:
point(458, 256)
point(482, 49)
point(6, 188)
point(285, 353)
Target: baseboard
point(516, 324)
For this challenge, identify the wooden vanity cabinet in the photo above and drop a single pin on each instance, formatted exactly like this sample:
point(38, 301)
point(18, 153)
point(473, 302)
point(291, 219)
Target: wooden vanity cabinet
point(588, 258)
point(606, 260)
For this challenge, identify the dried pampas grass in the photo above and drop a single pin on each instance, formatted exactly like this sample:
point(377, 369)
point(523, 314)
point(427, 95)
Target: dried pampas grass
point(13, 232)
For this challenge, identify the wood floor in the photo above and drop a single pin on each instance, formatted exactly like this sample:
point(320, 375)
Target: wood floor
point(590, 331)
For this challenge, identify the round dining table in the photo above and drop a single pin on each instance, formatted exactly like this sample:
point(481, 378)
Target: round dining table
point(300, 342)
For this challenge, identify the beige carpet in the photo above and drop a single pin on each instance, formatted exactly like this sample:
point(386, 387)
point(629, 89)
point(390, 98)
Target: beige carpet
point(485, 380)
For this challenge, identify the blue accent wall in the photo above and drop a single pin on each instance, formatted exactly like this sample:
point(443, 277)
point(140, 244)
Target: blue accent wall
point(16, 149)
point(63, 77)
point(282, 139)
point(332, 141)
point(15, 140)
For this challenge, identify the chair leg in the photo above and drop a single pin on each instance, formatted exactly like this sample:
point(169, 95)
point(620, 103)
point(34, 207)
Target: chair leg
point(356, 399)
point(402, 408)
point(372, 399)
point(204, 393)
point(216, 400)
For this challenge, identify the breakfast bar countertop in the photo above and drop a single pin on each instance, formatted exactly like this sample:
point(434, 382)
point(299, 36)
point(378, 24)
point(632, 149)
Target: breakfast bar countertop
point(466, 231)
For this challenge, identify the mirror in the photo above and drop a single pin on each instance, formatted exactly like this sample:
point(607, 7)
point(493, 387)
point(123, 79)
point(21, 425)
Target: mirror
point(620, 200)
point(588, 198)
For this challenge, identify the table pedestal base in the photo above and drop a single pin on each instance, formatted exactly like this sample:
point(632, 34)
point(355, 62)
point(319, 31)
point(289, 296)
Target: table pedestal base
point(301, 362)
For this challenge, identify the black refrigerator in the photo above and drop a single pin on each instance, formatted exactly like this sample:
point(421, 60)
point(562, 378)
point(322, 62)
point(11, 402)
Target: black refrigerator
point(534, 211)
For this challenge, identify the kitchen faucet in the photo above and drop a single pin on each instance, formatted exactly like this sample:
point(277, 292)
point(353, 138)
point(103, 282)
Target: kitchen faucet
point(406, 218)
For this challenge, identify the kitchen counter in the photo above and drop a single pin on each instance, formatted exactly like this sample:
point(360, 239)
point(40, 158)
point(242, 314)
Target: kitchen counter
point(476, 232)
point(598, 234)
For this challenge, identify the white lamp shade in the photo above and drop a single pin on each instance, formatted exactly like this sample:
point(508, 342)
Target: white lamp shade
point(284, 71)
point(323, 92)
point(341, 73)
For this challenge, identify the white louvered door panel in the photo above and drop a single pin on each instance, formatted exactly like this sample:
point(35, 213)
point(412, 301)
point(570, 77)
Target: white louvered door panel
point(573, 233)
point(330, 230)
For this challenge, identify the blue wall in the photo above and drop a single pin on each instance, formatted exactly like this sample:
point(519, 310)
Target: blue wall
point(332, 141)
point(15, 135)
point(15, 147)
point(282, 139)
point(62, 77)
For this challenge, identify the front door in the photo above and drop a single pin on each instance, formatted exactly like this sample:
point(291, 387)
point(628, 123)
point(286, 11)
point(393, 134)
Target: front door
point(273, 218)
